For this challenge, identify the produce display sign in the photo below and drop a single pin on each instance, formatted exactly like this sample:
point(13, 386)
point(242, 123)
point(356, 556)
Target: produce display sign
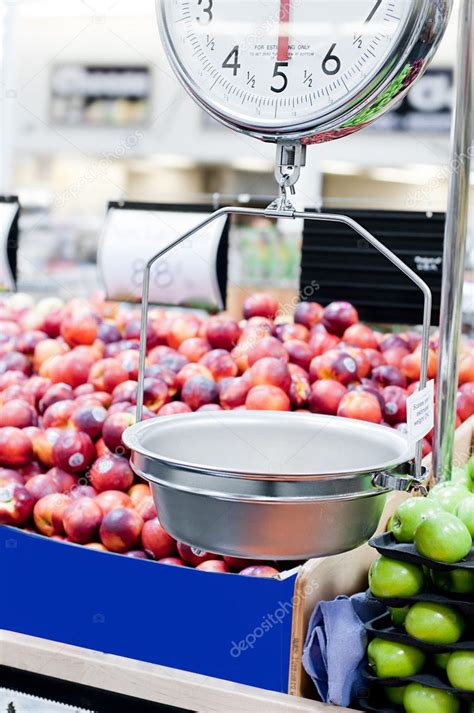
point(8, 214)
point(420, 412)
point(187, 276)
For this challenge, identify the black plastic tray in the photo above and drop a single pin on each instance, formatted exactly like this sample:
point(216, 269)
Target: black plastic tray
point(426, 679)
point(383, 628)
point(455, 600)
point(387, 545)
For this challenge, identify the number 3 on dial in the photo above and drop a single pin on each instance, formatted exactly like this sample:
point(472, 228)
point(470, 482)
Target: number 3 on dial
point(206, 6)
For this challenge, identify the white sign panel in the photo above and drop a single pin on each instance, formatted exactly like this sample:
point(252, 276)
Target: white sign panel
point(185, 276)
point(8, 213)
point(420, 412)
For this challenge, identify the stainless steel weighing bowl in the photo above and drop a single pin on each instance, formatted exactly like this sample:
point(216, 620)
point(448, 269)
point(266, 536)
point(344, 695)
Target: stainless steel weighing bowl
point(270, 485)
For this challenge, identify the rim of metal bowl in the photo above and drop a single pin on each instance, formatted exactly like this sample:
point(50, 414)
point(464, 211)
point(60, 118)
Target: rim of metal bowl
point(130, 438)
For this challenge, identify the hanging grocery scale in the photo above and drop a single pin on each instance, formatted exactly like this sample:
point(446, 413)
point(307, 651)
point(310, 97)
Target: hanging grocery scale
point(293, 72)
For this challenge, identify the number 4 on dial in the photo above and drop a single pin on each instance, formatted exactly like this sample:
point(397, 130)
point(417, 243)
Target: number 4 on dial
point(235, 66)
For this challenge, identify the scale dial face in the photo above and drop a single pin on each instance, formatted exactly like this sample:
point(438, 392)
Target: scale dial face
point(282, 65)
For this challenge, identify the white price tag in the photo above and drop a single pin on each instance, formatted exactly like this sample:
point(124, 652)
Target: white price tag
point(8, 212)
point(186, 276)
point(420, 412)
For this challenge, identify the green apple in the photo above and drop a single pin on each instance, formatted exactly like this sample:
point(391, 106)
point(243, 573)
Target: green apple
point(434, 623)
point(449, 495)
point(457, 581)
point(470, 467)
point(395, 694)
point(393, 578)
point(441, 660)
point(465, 512)
point(460, 670)
point(388, 658)
point(461, 476)
point(399, 614)
point(421, 699)
point(443, 538)
point(408, 516)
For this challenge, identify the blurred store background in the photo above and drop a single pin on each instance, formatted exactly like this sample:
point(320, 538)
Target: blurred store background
point(91, 113)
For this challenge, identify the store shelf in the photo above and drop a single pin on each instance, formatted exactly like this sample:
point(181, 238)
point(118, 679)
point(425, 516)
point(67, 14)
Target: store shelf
point(146, 681)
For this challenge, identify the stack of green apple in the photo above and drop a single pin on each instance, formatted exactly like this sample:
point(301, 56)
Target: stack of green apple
point(441, 528)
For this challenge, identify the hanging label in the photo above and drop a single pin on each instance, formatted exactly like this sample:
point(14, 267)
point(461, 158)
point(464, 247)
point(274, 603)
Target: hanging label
point(420, 412)
point(8, 213)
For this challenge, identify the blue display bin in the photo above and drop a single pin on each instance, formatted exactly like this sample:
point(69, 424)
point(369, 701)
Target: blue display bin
point(221, 625)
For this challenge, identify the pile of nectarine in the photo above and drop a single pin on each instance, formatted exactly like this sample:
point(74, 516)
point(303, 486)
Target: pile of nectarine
point(68, 390)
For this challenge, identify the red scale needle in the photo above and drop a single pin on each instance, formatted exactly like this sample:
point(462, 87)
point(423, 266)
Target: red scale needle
point(283, 37)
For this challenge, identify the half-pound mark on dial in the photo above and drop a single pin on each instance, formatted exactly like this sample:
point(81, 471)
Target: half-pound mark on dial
point(251, 80)
point(308, 78)
point(210, 43)
point(357, 41)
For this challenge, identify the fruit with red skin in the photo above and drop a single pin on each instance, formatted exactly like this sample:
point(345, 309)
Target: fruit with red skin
point(120, 529)
point(16, 504)
point(466, 368)
point(375, 358)
point(238, 563)
point(112, 430)
point(233, 392)
point(371, 388)
point(16, 449)
point(83, 390)
point(360, 405)
point(213, 566)
point(43, 443)
point(81, 520)
point(82, 491)
point(15, 361)
point(181, 328)
point(267, 398)
point(361, 336)
point(156, 542)
point(48, 514)
point(387, 375)
point(98, 546)
point(52, 323)
point(132, 331)
point(111, 472)
point(222, 332)
point(27, 341)
point(194, 349)
point(467, 389)
point(146, 508)
point(395, 410)
point(394, 356)
point(73, 452)
point(321, 342)
point(139, 492)
point(187, 555)
point(126, 391)
point(325, 396)
point(13, 378)
point(89, 419)
point(173, 360)
point(270, 372)
point(100, 447)
point(68, 369)
point(173, 561)
point(198, 391)
point(79, 328)
point(37, 386)
point(299, 352)
point(155, 394)
point(259, 570)
point(392, 341)
point(58, 414)
point(41, 485)
point(267, 347)
point(109, 500)
point(108, 333)
point(464, 405)
point(173, 408)
point(106, 374)
point(128, 360)
point(289, 332)
point(17, 413)
point(300, 390)
point(169, 377)
point(260, 304)
point(339, 316)
point(55, 393)
point(411, 365)
point(210, 407)
point(33, 468)
point(136, 554)
point(7, 475)
point(308, 313)
point(190, 370)
point(220, 364)
point(363, 364)
point(64, 481)
point(47, 349)
point(117, 348)
point(336, 365)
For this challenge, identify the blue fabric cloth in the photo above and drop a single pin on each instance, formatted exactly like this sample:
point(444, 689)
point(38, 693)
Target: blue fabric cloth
point(334, 653)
